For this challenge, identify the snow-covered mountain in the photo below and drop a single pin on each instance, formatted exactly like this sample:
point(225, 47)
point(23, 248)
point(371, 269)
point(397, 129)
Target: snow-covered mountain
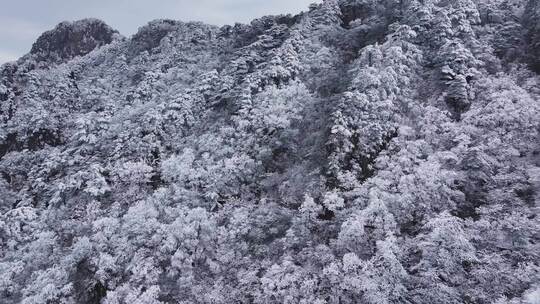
point(365, 151)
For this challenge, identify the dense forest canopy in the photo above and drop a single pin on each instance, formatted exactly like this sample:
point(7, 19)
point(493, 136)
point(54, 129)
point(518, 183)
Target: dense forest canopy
point(364, 151)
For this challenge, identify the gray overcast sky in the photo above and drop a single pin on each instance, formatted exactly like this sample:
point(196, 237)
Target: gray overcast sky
point(22, 21)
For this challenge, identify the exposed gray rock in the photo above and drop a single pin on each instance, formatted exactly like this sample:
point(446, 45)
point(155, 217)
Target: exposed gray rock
point(71, 39)
point(150, 35)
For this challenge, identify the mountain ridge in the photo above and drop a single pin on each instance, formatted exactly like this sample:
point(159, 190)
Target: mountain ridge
point(360, 152)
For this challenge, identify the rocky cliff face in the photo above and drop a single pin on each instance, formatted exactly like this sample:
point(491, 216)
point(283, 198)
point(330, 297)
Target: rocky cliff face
point(71, 39)
point(360, 152)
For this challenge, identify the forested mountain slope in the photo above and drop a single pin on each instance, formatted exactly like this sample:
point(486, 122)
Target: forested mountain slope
point(365, 151)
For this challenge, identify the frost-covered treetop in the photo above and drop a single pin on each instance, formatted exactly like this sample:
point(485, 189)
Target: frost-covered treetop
point(364, 151)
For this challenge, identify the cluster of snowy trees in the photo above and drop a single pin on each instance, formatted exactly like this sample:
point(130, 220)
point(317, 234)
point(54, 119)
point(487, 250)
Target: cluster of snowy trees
point(365, 151)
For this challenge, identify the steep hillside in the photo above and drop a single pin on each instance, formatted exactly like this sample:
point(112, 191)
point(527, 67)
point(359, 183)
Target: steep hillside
point(364, 151)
